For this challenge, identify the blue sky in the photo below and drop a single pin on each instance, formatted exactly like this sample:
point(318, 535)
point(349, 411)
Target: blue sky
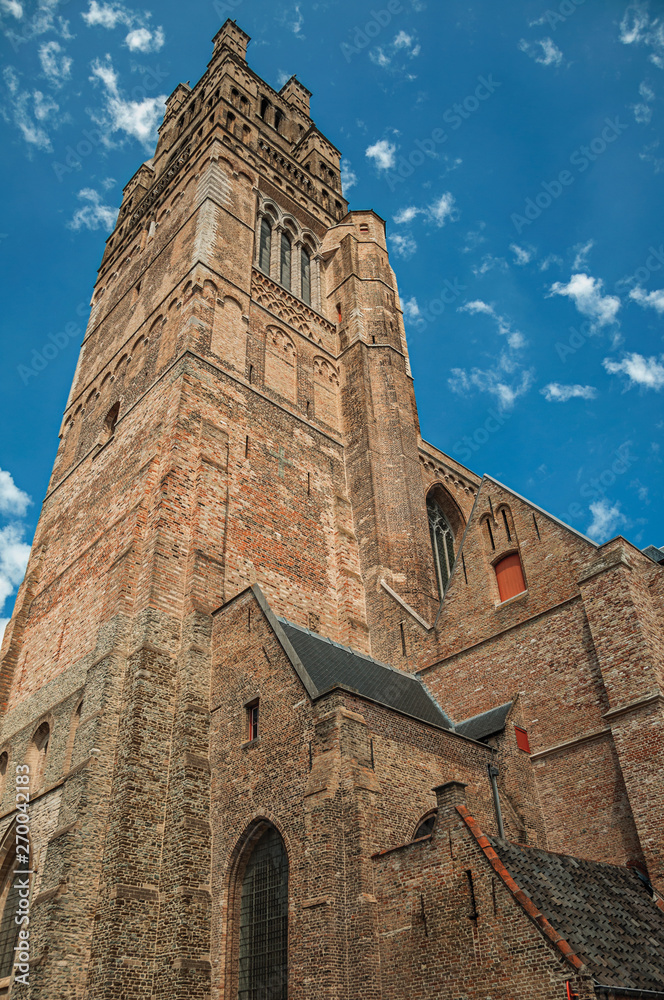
point(514, 150)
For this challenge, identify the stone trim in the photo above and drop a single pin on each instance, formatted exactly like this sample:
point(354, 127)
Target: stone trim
point(521, 897)
point(63, 830)
point(497, 635)
point(577, 741)
point(49, 894)
point(655, 699)
point(400, 847)
point(406, 606)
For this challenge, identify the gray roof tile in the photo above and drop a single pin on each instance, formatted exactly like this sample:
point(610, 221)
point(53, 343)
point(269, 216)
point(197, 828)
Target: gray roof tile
point(331, 665)
point(603, 911)
point(485, 724)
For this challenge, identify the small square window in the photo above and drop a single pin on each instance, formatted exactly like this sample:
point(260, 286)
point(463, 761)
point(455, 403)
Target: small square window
point(522, 739)
point(364, 228)
point(253, 711)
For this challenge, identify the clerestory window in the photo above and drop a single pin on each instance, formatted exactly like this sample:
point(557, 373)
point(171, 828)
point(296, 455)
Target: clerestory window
point(265, 246)
point(442, 542)
point(285, 277)
point(306, 276)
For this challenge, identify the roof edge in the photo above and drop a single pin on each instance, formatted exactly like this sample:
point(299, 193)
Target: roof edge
point(537, 917)
point(546, 513)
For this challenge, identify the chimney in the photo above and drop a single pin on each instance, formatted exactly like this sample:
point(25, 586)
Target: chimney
point(449, 796)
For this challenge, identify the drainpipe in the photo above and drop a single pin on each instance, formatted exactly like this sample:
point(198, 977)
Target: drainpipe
point(493, 774)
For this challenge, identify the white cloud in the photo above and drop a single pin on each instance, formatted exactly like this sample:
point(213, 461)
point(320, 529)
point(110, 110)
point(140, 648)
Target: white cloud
point(553, 258)
point(56, 65)
point(94, 214)
point(489, 263)
point(348, 175)
point(554, 392)
point(606, 519)
point(443, 209)
point(12, 7)
point(586, 293)
point(411, 310)
point(582, 251)
point(645, 372)
point(140, 38)
point(382, 153)
point(402, 44)
point(4, 622)
point(297, 22)
point(515, 338)
point(13, 501)
point(547, 54)
point(380, 58)
point(493, 381)
point(474, 238)
point(26, 109)
point(642, 110)
point(636, 28)
point(404, 246)
point(653, 300)
point(144, 40)
point(138, 119)
point(406, 215)
point(403, 40)
point(13, 559)
point(523, 255)
point(107, 15)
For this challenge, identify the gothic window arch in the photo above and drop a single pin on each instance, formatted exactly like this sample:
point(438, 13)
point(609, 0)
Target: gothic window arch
point(285, 260)
point(305, 271)
point(36, 756)
point(442, 542)
point(263, 924)
point(4, 763)
point(265, 248)
point(9, 904)
point(111, 421)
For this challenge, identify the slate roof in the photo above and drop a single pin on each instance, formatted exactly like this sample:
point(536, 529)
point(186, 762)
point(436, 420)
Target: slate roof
point(485, 724)
point(331, 665)
point(603, 911)
point(657, 555)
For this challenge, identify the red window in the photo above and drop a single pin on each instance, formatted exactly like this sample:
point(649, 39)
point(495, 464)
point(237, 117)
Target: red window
point(522, 739)
point(252, 714)
point(510, 577)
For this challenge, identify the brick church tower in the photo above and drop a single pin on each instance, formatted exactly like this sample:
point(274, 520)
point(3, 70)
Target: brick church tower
point(234, 554)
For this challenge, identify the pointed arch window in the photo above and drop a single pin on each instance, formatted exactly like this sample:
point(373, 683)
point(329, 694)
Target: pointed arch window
point(265, 246)
point(442, 542)
point(285, 261)
point(264, 922)
point(9, 902)
point(306, 275)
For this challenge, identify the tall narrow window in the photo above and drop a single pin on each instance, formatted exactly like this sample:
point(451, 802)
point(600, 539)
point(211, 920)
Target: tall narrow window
point(253, 720)
point(510, 577)
point(285, 260)
point(306, 276)
point(265, 246)
point(264, 922)
point(35, 758)
point(442, 541)
point(9, 901)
